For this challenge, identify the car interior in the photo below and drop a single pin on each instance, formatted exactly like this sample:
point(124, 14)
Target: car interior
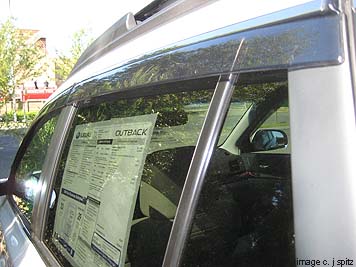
point(244, 214)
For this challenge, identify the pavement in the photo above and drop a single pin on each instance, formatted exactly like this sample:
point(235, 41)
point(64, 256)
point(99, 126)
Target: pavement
point(8, 148)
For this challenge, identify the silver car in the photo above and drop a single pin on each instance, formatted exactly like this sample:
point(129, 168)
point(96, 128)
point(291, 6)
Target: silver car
point(195, 133)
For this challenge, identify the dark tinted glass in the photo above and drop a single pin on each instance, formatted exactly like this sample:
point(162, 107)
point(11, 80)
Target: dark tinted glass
point(244, 215)
point(121, 176)
point(30, 167)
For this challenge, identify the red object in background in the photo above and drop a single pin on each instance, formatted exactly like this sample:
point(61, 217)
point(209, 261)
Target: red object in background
point(37, 94)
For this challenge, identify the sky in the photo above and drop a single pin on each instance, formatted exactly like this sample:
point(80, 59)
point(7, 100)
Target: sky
point(59, 19)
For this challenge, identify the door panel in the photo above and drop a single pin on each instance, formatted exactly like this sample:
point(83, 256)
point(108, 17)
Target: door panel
point(17, 206)
point(244, 215)
point(16, 248)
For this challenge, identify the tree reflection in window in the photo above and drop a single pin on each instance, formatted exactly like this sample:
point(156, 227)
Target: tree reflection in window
point(30, 167)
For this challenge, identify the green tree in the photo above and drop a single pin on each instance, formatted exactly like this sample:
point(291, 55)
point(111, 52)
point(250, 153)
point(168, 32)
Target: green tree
point(65, 62)
point(20, 58)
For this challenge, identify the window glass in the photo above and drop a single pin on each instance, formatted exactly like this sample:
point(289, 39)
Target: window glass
point(236, 110)
point(29, 169)
point(244, 214)
point(277, 121)
point(121, 176)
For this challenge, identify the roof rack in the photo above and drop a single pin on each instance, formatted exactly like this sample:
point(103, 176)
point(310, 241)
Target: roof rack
point(124, 30)
point(123, 25)
point(152, 8)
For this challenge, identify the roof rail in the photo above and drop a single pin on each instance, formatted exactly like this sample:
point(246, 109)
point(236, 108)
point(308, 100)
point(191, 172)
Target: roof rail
point(123, 25)
point(127, 28)
point(152, 8)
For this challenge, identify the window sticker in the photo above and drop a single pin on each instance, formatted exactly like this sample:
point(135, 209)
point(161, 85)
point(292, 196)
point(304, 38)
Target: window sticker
point(99, 190)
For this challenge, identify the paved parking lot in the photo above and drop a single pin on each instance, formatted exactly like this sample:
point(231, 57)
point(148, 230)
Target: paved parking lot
point(8, 148)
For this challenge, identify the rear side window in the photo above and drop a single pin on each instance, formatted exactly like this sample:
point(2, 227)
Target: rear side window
point(121, 176)
point(244, 215)
point(30, 166)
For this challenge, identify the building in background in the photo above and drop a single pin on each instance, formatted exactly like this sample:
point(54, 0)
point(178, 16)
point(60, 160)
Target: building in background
point(33, 93)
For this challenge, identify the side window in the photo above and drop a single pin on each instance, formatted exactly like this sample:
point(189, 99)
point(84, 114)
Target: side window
point(273, 136)
point(244, 215)
point(30, 166)
point(279, 118)
point(121, 176)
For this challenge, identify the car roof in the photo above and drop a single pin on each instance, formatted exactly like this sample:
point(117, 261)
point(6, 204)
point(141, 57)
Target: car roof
point(126, 40)
point(129, 43)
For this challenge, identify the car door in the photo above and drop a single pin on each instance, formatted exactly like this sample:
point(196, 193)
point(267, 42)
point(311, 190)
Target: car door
point(23, 186)
point(244, 213)
point(120, 174)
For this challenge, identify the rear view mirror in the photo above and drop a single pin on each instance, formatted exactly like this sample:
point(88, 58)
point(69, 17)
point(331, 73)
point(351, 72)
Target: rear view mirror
point(265, 140)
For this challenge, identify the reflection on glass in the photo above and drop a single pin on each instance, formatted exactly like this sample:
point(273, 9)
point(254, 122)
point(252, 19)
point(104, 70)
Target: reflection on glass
point(29, 170)
point(180, 117)
point(4, 255)
point(265, 140)
point(244, 214)
point(295, 43)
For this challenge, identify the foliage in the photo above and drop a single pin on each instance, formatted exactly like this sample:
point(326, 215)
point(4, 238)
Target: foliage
point(25, 206)
point(9, 116)
point(20, 58)
point(36, 151)
point(256, 93)
point(28, 172)
point(170, 108)
point(3, 247)
point(65, 62)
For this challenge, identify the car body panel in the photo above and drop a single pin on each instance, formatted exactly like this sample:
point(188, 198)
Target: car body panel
point(313, 51)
